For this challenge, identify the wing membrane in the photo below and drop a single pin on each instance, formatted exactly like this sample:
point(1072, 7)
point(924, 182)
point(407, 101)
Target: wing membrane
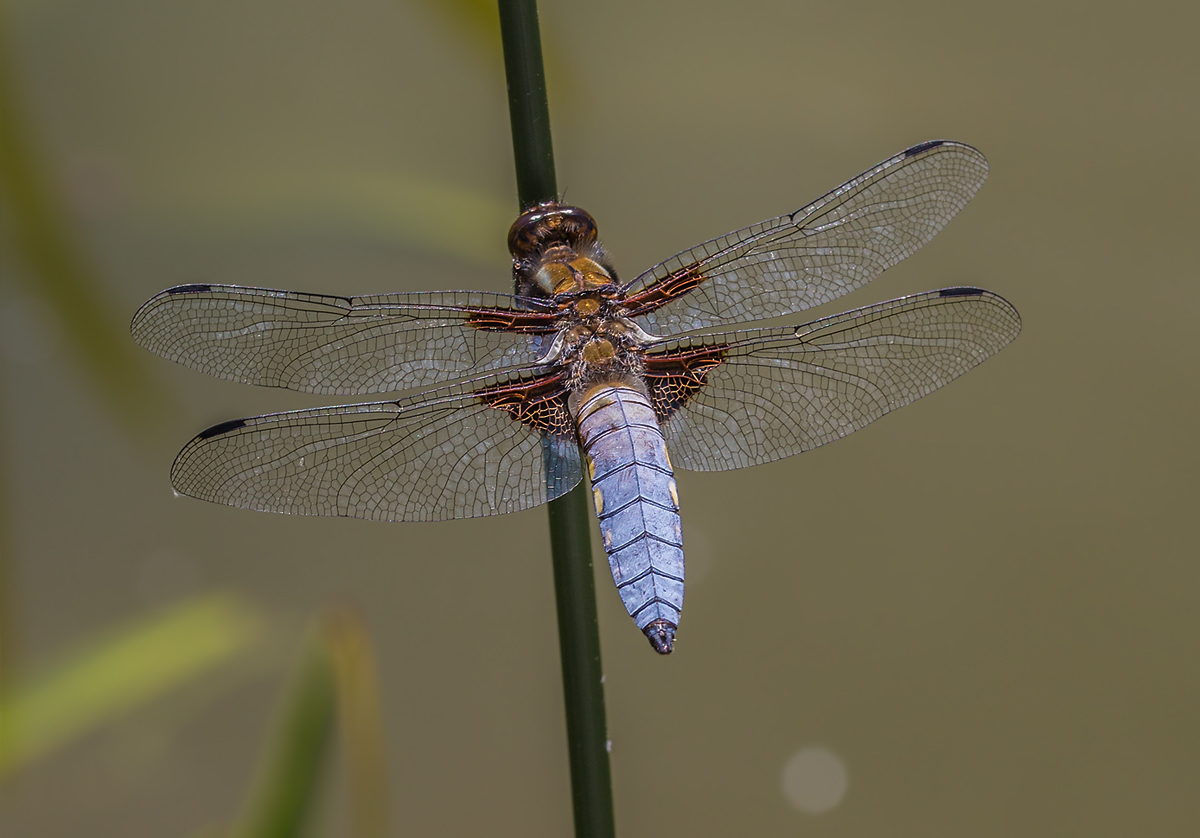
point(816, 254)
point(317, 343)
point(778, 392)
point(442, 455)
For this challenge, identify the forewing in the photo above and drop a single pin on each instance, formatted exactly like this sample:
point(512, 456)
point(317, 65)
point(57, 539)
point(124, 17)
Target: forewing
point(765, 394)
point(816, 254)
point(452, 453)
point(317, 343)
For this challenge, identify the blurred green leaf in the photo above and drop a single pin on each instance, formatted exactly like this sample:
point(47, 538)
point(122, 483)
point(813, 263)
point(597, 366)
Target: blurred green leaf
point(127, 668)
point(335, 680)
point(38, 234)
point(361, 722)
point(477, 23)
point(57, 266)
point(437, 217)
point(8, 623)
point(284, 795)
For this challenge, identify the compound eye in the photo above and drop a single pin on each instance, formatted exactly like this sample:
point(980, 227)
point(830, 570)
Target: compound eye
point(555, 278)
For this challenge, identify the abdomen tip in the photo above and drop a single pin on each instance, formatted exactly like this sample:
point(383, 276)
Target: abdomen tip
point(661, 635)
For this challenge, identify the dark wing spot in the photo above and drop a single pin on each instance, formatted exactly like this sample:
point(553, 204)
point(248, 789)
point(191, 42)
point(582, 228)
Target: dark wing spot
point(224, 427)
point(923, 147)
point(961, 292)
point(189, 289)
point(511, 320)
point(675, 377)
point(539, 402)
point(670, 287)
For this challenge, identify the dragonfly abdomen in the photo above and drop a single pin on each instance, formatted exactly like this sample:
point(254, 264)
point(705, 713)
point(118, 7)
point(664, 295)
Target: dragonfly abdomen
point(636, 501)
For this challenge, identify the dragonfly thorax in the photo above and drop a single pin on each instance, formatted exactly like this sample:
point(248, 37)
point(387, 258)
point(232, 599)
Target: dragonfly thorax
point(597, 340)
point(597, 351)
point(563, 271)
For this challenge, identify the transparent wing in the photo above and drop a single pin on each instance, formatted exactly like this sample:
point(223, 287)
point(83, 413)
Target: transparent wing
point(777, 392)
point(317, 343)
point(831, 247)
point(446, 454)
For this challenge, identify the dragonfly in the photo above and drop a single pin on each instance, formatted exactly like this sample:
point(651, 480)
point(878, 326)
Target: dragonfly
point(504, 401)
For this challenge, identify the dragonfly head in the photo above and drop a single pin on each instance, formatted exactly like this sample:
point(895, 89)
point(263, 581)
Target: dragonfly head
point(547, 224)
point(547, 242)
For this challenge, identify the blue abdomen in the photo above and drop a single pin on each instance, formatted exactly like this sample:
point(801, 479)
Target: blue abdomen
point(636, 501)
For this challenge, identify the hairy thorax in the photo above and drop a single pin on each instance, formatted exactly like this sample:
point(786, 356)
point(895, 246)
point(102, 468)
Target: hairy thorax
point(557, 257)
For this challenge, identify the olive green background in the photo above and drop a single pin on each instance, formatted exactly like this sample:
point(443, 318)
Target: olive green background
point(986, 604)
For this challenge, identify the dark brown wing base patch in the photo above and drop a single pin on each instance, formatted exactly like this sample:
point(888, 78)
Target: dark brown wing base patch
point(527, 322)
point(674, 377)
point(539, 403)
point(670, 287)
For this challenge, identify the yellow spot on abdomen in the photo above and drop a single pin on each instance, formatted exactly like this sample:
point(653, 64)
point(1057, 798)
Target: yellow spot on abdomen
point(674, 493)
point(598, 497)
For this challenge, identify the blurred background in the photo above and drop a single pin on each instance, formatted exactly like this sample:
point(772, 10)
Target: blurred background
point(975, 617)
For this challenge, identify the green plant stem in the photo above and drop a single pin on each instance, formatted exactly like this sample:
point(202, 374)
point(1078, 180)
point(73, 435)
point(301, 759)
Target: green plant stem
point(579, 645)
point(570, 541)
point(528, 110)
